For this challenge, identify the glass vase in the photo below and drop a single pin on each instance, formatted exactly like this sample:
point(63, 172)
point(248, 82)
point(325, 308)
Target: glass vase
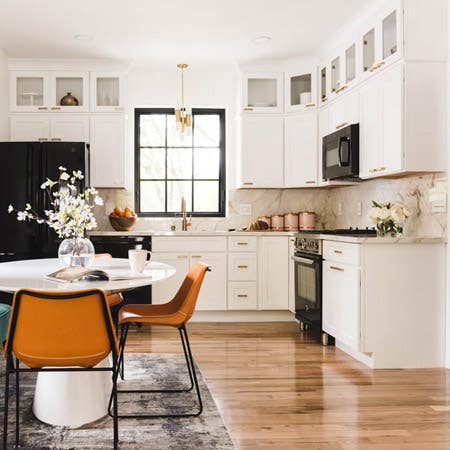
point(76, 252)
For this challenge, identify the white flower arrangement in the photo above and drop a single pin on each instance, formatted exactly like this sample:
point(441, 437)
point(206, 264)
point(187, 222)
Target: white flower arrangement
point(72, 214)
point(388, 217)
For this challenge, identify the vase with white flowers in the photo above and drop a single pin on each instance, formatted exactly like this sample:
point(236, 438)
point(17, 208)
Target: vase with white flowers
point(70, 215)
point(388, 217)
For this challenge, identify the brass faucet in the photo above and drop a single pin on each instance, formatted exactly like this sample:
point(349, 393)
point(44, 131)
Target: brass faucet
point(185, 223)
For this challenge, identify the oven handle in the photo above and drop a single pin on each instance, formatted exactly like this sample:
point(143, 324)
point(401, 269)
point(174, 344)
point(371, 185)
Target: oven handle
point(310, 262)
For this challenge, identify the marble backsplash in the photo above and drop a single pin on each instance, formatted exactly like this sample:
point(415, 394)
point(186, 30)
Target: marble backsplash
point(335, 208)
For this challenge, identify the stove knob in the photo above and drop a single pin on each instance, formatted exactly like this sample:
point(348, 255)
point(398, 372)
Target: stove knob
point(303, 243)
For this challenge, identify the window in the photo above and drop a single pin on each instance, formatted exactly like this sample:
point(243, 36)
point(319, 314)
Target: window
point(168, 167)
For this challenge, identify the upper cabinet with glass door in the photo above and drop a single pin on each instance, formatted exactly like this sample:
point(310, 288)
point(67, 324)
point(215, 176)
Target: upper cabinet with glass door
point(301, 89)
point(29, 91)
point(69, 91)
point(107, 92)
point(262, 92)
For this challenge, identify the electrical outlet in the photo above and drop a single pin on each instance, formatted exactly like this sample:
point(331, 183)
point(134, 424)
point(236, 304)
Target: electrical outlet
point(438, 197)
point(245, 209)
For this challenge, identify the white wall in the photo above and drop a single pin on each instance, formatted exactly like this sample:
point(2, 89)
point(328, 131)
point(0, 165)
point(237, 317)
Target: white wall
point(4, 92)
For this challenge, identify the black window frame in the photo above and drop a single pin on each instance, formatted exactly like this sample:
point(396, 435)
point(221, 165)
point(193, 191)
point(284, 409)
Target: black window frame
point(221, 112)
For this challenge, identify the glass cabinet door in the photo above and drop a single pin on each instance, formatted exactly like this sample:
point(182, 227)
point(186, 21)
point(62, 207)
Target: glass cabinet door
point(301, 90)
point(263, 92)
point(368, 51)
point(350, 64)
point(107, 92)
point(29, 91)
point(324, 74)
point(69, 91)
point(336, 74)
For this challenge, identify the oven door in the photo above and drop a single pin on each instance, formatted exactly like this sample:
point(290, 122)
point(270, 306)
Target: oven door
point(308, 286)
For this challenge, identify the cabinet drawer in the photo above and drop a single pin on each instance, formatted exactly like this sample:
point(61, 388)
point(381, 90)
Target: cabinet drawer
point(189, 244)
point(342, 252)
point(242, 295)
point(242, 266)
point(242, 244)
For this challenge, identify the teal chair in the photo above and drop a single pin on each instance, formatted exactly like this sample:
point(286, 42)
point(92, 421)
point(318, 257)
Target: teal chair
point(5, 310)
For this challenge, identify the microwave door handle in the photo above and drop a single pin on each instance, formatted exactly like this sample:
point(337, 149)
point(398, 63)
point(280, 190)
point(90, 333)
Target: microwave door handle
point(343, 163)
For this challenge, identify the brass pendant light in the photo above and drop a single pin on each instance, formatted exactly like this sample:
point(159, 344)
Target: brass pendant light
point(183, 115)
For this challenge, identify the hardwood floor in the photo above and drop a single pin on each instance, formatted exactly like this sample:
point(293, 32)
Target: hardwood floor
point(278, 389)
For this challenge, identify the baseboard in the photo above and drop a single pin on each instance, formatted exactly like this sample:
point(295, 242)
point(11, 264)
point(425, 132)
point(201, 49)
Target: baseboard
point(243, 316)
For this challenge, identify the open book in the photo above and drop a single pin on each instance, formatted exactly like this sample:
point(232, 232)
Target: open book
point(70, 274)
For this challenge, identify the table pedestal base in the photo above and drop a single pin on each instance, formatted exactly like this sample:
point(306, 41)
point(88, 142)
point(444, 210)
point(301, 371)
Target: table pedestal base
point(72, 399)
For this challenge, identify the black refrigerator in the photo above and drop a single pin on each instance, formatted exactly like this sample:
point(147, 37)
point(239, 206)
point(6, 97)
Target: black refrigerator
point(24, 166)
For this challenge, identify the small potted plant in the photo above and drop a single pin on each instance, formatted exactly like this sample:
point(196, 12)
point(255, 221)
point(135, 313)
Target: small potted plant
point(388, 217)
point(71, 215)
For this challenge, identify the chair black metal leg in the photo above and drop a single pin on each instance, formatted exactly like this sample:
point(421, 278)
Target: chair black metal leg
point(17, 403)
point(5, 413)
point(115, 411)
point(192, 374)
point(122, 342)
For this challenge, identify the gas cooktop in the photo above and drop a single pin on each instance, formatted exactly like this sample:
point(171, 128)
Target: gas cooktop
point(344, 231)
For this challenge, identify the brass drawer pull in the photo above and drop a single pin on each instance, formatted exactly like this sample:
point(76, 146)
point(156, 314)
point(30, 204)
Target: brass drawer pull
point(339, 252)
point(339, 269)
point(55, 108)
point(42, 139)
point(309, 105)
point(247, 184)
point(310, 182)
point(242, 295)
point(342, 125)
point(56, 139)
point(42, 108)
point(242, 243)
point(242, 267)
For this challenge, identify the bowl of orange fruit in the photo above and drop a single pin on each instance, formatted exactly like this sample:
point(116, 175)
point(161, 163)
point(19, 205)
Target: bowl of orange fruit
point(123, 219)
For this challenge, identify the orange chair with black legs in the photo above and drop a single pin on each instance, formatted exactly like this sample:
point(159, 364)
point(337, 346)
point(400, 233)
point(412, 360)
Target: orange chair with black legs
point(176, 314)
point(59, 332)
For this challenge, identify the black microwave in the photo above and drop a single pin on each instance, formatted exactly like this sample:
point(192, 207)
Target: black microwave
point(340, 154)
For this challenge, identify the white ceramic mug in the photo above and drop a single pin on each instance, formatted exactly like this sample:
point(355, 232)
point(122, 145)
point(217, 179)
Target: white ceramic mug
point(138, 259)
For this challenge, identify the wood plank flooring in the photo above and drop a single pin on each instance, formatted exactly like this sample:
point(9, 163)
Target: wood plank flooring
point(279, 389)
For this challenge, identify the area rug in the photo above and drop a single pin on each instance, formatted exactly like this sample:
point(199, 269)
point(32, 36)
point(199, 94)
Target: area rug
point(142, 371)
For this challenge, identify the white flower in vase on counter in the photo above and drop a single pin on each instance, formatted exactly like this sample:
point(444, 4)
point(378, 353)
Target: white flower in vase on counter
point(388, 217)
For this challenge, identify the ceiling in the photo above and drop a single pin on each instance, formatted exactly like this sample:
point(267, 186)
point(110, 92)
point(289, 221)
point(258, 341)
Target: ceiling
point(133, 30)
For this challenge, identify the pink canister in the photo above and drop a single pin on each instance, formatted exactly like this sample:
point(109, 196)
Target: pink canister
point(291, 222)
point(307, 220)
point(277, 222)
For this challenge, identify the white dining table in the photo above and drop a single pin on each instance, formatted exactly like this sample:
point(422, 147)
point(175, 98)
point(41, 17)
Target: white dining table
point(73, 399)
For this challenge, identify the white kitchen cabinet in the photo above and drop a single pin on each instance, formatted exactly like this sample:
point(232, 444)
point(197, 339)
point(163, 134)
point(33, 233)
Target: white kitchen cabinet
point(291, 302)
point(166, 290)
point(300, 146)
point(300, 89)
point(273, 273)
point(69, 128)
point(29, 91)
point(24, 127)
point(262, 92)
point(107, 92)
point(213, 293)
point(343, 111)
point(107, 138)
point(262, 151)
point(74, 83)
point(242, 266)
point(242, 295)
point(341, 302)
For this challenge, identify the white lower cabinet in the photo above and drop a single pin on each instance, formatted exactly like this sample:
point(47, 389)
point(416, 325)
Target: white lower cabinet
point(242, 295)
point(273, 273)
point(107, 138)
point(341, 302)
point(165, 291)
point(69, 129)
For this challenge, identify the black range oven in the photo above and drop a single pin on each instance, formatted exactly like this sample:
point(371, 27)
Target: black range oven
point(308, 282)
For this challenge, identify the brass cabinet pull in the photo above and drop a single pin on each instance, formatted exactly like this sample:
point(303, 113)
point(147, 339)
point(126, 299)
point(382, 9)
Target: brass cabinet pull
point(324, 99)
point(242, 267)
point(341, 89)
point(339, 252)
point(378, 169)
point(309, 105)
point(341, 125)
point(55, 108)
point(196, 256)
point(310, 182)
point(182, 256)
point(248, 109)
point(373, 68)
point(247, 184)
point(242, 243)
point(42, 108)
point(242, 295)
point(42, 139)
point(56, 139)
point(339, 269)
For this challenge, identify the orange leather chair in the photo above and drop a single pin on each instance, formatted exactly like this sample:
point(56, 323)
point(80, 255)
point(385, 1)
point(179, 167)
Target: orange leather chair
point(176, 314)
point(59, 332)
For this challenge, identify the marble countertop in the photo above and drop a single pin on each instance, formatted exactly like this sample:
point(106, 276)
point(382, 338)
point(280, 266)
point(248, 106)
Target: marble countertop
point(192, 233)
point(379, 240)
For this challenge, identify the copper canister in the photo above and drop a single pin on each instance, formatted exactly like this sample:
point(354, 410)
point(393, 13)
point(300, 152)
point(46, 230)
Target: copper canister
point(265, 219)
point(291, 221)
point(307, 220)
point(277, 222)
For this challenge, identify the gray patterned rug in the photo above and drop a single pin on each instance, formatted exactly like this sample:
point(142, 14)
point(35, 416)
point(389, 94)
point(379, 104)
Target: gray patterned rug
point(159, 371)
